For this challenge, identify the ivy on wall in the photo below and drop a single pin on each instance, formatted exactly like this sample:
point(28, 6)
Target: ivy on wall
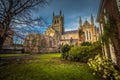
point(109, 31)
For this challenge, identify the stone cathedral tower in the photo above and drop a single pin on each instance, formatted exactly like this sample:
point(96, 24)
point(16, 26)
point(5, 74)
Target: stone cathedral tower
point(58, 23)
point(57, 28)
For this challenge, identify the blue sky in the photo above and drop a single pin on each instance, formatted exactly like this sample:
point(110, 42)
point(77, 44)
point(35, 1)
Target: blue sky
point(72, 10)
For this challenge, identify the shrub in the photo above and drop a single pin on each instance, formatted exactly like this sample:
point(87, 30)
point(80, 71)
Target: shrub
point(104, 67)
point(81, 53)
point(98, 43)
point(65, 50)
point(86, 44)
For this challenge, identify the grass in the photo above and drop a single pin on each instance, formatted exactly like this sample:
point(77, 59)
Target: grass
point(47, 67)
point(9, 55)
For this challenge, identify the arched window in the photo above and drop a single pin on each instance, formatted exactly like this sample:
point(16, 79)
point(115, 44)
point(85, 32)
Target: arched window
point(50, 43)
point(57, 20)
point(43, 43)
point(86, 35)
point(90, 35)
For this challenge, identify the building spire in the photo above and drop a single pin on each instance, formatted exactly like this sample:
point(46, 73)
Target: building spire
point(92, 20)
point(60, 12)
point(53, 14)
point(53, 18)
point(80, 22)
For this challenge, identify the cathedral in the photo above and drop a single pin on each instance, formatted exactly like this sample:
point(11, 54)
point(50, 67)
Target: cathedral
point(87, 32)
point(56, 36)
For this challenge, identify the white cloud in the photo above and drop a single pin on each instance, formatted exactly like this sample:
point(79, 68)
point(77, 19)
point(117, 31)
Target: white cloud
point(72, 26)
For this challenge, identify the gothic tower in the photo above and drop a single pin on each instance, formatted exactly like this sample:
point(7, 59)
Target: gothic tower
point(80, 32)
point(58, 22)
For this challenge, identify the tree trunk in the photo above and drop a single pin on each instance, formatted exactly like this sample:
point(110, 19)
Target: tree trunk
point(4, 31)
point(1, 42)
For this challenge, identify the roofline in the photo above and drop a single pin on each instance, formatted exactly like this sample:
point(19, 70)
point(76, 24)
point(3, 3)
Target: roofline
point(99, 10)
point(70, 32)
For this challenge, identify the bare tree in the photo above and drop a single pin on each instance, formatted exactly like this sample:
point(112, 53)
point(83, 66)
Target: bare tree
point(18, 12)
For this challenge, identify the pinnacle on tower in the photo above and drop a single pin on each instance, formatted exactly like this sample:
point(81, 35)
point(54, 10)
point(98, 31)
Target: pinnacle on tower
point(53, 14)
point(60, 12)
point(80, 22)
point(63, 19)
point(92, 20)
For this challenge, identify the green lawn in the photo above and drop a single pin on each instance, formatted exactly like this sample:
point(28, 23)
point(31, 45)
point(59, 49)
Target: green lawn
point(47, 67)
point(8, 55)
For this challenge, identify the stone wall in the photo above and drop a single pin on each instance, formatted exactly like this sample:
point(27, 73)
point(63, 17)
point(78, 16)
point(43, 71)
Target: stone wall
point(109, 8)
point(37, 43)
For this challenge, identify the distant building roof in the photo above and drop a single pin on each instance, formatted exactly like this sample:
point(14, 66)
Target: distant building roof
point(70, 32)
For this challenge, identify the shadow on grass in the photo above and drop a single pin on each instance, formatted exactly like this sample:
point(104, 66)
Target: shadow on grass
point(46, 67)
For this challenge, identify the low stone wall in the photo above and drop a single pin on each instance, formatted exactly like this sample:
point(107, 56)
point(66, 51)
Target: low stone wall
point(4, 51)
point(41, 50)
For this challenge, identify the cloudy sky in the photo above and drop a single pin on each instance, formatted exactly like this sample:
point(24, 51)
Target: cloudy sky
point(72, 10)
